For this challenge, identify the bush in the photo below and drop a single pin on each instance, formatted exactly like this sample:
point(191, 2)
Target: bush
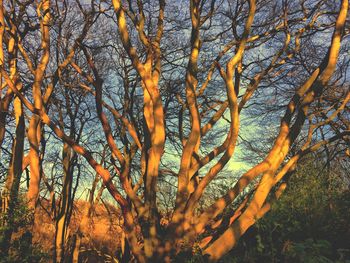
point(21, 248)
point(310, 223)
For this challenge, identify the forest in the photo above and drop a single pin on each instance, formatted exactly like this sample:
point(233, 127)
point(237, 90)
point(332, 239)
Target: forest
point(174, 131)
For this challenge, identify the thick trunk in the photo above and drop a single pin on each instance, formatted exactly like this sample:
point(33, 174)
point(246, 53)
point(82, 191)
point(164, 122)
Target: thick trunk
point(34, 130)
point(76, 248)
point(62, 221)
point(14, 174)
point(34, 135)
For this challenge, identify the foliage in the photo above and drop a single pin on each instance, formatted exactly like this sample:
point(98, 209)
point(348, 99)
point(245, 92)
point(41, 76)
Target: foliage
point(309, 251)
point(310, 223)
point(21, 247)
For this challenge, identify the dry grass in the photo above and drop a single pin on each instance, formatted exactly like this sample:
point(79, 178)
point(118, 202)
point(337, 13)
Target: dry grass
point(101, 235)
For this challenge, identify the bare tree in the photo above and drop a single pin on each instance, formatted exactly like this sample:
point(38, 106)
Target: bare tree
point(169, 84)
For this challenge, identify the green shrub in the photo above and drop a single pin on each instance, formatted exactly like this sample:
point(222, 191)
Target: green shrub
point(310, 222)
point(21, 249)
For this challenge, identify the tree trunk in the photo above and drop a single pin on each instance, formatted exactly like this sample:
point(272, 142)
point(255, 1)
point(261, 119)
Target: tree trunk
point(62, 220)
point(14, 175)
